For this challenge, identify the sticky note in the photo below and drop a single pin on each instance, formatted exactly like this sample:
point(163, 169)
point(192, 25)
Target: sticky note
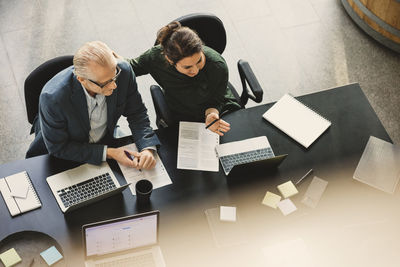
point(271, 200)
point(51, 255)
point(287, 189)
point(286, 206)
point(10, 257)
point(227, 214)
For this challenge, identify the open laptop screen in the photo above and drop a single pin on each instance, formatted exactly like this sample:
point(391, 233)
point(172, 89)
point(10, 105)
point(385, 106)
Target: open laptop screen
point(121, 234)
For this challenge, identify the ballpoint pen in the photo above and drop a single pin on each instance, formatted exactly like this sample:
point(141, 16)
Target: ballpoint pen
point(214, 121)
point(304, 176)
point(130, 157)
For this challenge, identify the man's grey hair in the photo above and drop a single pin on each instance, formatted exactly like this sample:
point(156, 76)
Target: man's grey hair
point(92, 52)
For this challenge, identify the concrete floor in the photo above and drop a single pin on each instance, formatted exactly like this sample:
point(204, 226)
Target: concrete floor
point(296, 46)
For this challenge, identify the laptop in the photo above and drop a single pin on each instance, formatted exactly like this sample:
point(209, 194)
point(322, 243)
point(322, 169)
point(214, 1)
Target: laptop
point(253, 154)
point(83, 185)
point(128, 241)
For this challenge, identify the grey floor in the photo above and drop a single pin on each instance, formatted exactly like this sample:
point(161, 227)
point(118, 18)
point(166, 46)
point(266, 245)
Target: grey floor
point(296, 46)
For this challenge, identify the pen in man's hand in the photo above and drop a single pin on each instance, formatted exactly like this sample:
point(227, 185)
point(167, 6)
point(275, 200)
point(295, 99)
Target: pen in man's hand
point(130, 157)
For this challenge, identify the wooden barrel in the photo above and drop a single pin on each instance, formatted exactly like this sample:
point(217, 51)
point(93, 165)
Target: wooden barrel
point(378, 18)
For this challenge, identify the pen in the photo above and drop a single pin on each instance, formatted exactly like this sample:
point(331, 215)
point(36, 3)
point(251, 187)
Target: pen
point(130, 156)
point(214, 121)
point(305, 175)
point(31, 264)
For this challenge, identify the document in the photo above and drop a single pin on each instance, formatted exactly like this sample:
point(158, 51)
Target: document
point(196, 147)
point(158, 176)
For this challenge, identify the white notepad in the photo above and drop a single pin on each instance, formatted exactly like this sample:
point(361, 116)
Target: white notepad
point(11, 188)
point(297, 120)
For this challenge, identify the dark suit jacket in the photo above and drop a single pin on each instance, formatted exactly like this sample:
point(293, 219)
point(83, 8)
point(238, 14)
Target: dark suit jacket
point(64, 120)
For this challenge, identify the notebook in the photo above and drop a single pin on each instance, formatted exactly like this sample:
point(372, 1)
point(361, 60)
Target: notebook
point(297, 120)
point(126, 241)
point(19, 194)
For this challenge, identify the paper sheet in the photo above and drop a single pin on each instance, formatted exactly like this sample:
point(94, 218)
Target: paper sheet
point(158, 176)
point(196, 147)
point(314, 192)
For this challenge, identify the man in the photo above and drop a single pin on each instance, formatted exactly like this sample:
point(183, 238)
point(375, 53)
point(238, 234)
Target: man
point(80, 106)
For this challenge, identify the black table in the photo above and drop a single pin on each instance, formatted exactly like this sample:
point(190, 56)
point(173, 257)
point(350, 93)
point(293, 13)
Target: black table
point(185, 237)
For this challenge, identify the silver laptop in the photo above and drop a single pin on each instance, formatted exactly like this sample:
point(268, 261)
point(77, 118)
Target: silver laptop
point(128, 241)
point(83, 185)
point(249, 154)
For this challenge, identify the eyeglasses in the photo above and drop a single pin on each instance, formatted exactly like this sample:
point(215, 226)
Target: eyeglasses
point(109, 81)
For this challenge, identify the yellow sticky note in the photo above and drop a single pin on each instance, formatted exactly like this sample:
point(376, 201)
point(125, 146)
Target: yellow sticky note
point(271, 200)
point(287, 189)
point(10, 257)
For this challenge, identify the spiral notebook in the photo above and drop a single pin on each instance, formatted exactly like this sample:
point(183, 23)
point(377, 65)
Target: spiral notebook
point(19, 193)
point(297, 120)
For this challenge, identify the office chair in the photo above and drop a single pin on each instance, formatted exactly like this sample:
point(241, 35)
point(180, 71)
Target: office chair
point(212, 32)
point(38, 78)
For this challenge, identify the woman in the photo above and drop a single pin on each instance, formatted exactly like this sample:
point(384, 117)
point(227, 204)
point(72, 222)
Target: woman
point(194, 77)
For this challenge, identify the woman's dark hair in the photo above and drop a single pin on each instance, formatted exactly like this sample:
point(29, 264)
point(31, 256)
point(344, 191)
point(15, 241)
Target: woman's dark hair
point(178, 42)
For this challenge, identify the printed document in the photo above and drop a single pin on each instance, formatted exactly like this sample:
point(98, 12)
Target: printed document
point(196, 147)
point(158, 176)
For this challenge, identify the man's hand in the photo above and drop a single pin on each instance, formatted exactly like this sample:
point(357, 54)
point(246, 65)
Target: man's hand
point(119, 155)
point(146, 159)
point(143, 160)
point(220, 127)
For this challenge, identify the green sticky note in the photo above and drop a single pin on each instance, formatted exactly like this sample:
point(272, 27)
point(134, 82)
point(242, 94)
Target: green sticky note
point(287, 189)
point(51, 255)
point(271, 200)
point(10, 257)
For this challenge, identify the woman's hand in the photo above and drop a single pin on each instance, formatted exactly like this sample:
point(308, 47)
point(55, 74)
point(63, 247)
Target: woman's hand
point(220, 127)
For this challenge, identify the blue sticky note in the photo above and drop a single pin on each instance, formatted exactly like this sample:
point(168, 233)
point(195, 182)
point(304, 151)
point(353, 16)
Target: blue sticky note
point(51, 255)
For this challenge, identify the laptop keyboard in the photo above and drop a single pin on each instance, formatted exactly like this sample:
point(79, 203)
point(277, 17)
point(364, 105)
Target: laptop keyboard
point(142, 260)
point(229, 161)
point(86, 190)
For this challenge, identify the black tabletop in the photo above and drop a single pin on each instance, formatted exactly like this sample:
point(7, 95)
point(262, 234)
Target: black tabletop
point(183, 225)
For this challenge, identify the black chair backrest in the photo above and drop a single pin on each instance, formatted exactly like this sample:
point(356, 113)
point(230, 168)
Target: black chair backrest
point(38, 78)
point(209, 27)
